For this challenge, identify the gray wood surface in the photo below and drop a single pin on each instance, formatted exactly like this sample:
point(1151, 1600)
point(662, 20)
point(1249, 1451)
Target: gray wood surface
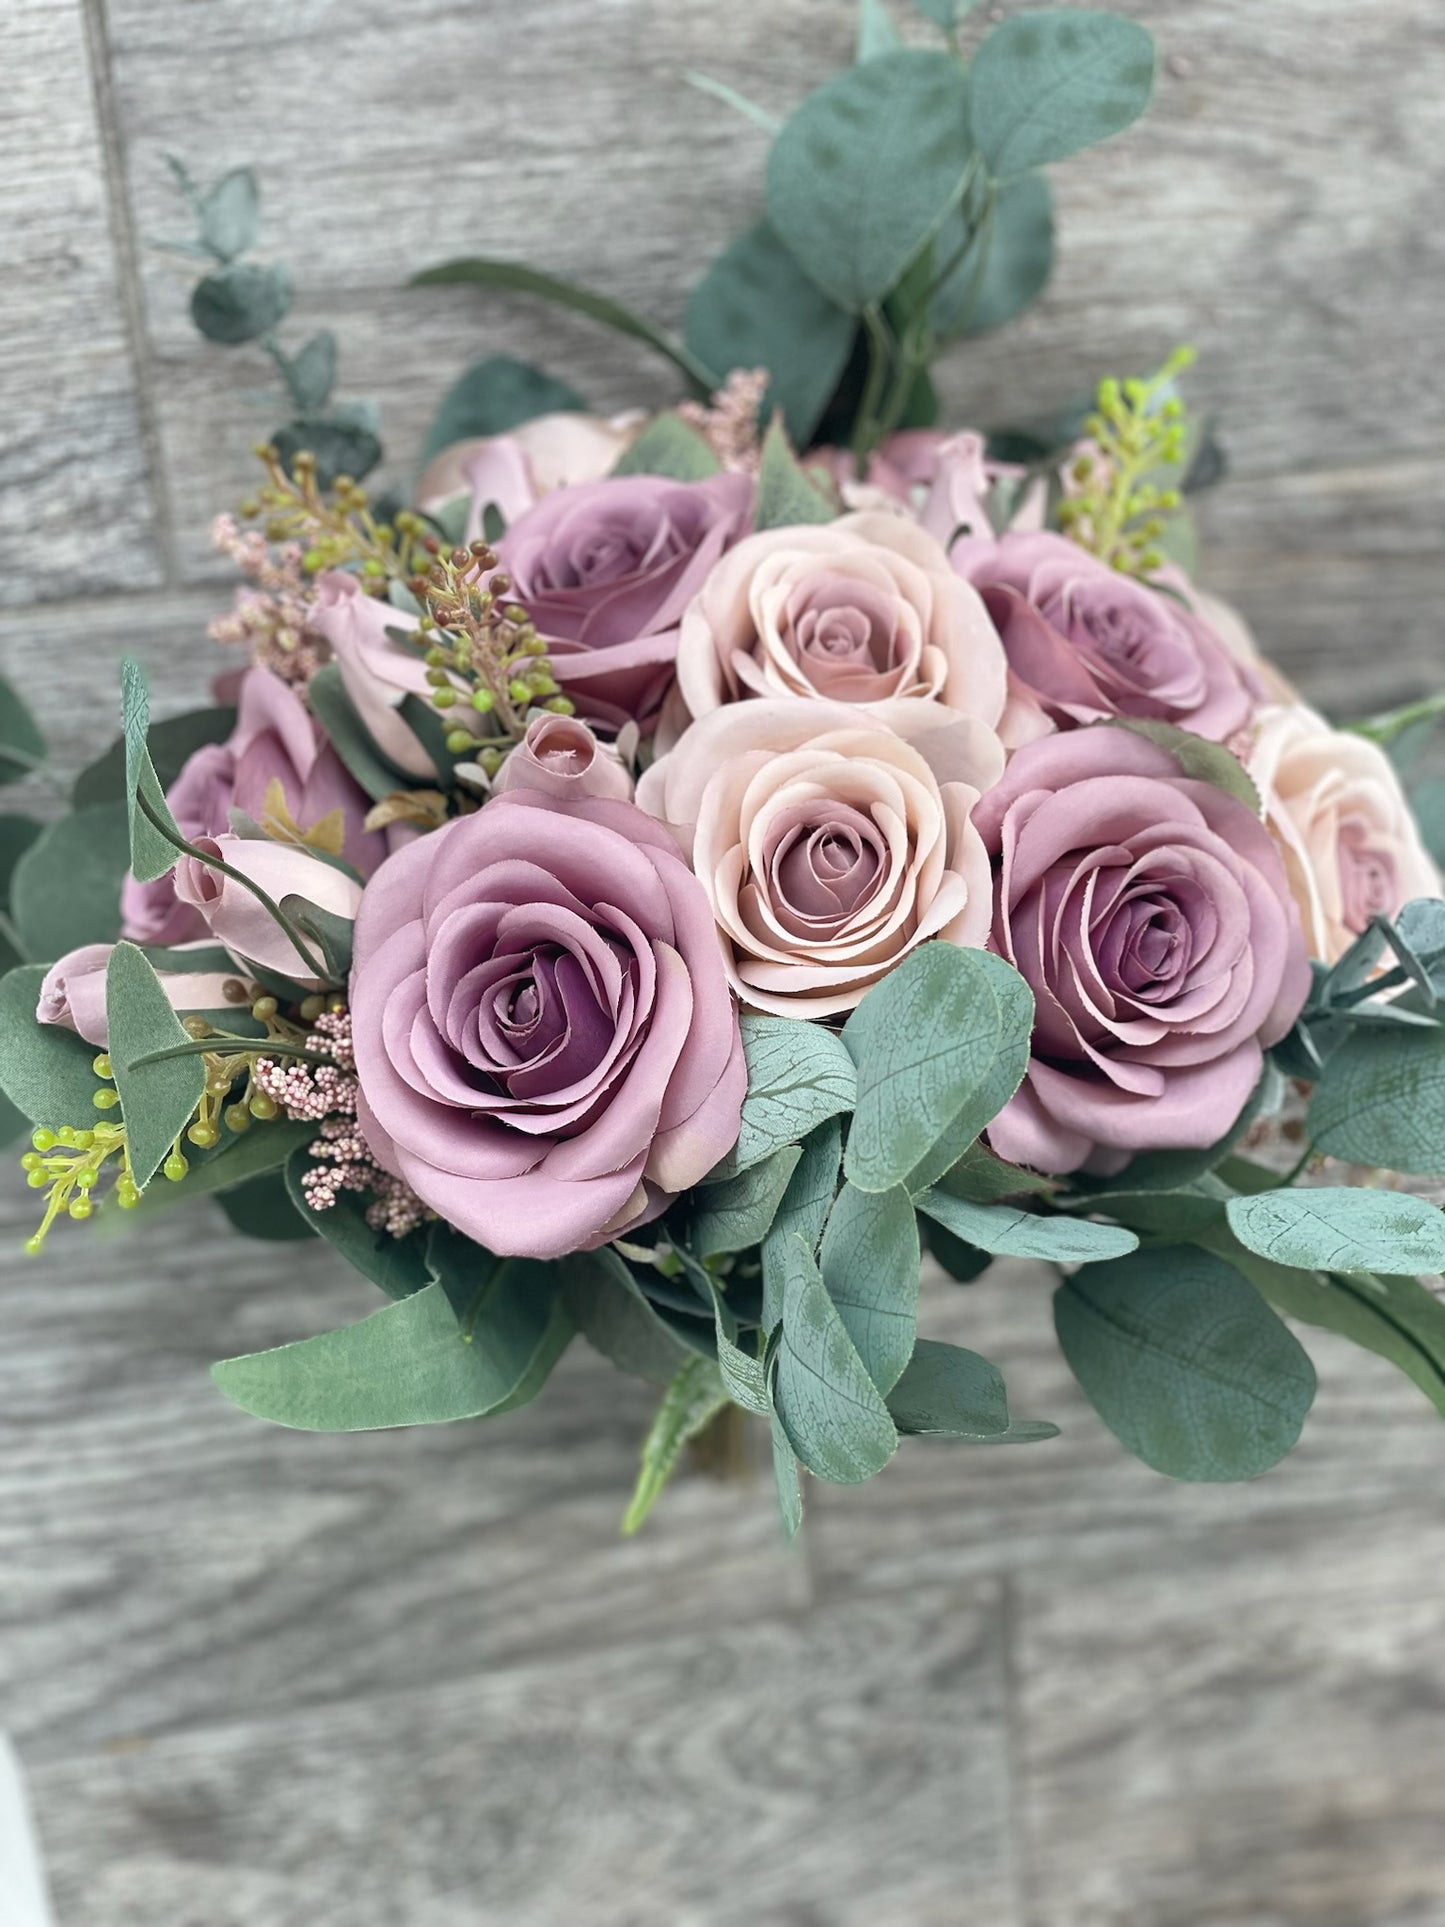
point(262, 1678)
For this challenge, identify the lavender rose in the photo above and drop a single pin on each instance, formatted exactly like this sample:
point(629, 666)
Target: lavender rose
point(1084, 642)
point(545, 1040)
point(605, 571)
point(1151, 916)
point(275, 742)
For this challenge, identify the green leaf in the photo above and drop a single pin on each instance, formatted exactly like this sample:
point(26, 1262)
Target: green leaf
point(785, 1478)
point(1206, 762)
point(341, 446)
point(1381, 1100)
point(694, 1397)
point(17, 834)
point(876, 31)
point(329, 933)
point(398, 1265)
point(1007, 1232)
point(983, 1178)
point(263, 1148)
point(494, 395)
point(730, 97)
point(799, 1075)
point(755, 308)
point(1185, 1363)
point(941, 1044)
point(945, 13)
point(152, 854)
point(736, 1214)
point(949, 1393)
point(803, 1211)
point(240, 302)
point(231, 214)
point(1341, 1228)
point(786, 495)
point(171, 742)
point(1427, 800)
point(669, 446)
point(615, 1317)
point(22, 741)
point(1046, 84)
point(156, 1099)
point(866, 169)
point(408, 1363)
point(261, 1207)
point(830, 1409)
point(312, 372)
point(66, 887)
point(962, 1262)
point(1392, 1316)
point(1188, 1213)
point(870, 1264)
point(333, 708)
point(45, 1069)
point(1006, 265)
point(482, 272)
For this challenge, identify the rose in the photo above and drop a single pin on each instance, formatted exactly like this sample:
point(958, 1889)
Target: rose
point(235, 916)
point(1351, 846)
point(275, 742)
point(377, 671)
point(944, 481)
point(861, 610)
point(1151, 917)
point(73, 991)
point(828, 845)
point(606, 570)
point(561, 758)
point(545, 1040)
point(511, 472)
point(1084, 641)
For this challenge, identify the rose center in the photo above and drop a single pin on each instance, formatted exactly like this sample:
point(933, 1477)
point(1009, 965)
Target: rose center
point(824, 871)
point(1369, 886)
point(845, 624)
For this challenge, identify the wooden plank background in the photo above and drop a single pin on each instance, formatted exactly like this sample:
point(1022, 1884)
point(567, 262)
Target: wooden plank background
point(276, 1681)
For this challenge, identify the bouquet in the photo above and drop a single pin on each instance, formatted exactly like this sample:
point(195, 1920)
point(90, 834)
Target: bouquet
point(653, 880)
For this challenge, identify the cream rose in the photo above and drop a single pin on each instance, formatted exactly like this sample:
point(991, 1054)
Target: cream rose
point(828, 845)
point(860, 611)
point(1334, 806)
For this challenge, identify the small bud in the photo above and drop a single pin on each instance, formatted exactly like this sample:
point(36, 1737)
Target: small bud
point(261, 1106)
point(312, 1007)
point(458, 742)
point(175, 1167)
point(264, 1009)
point(204, 1135)
point(42, 1139)
point(238, 1118)
point(37, 1180)
point(106, 1100)
point(235, 992)
point(195, 1026)
point(443, 698)
point(101, 1066)
point(561, 706)
point(80, 1208)
point(483, 701)
point(31, 1161)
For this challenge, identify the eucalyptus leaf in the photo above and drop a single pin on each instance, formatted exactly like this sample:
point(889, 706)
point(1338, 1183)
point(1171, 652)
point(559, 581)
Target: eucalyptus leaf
point(984, 1178)
point(785, 1479)
point(799, 1075)
point(787, 495)
point(311, 374)
point(241, 302)
point(1341, 1228)
point(876, 32)
point(495, 395)
point(153, 844)
point(803, 1211)
point(669, 446)
point(1006, 1231)
point(949, 1393)
point(231, 214)
point(158, 1098)
point(870, 1265)
point(45, 1069)
point(694, 1397)
point(65, 890)
point(398, 1265)
point(945, 13)
point(1048, 83)
point(514, 276)
point(264, 1148)
point(408, 1363)
point(616, 1319)
point(960, 1261)
point(941, 1044)
point(1185, 1362)
point(867, 167)
point(23, 747)
point(349, 737)
point(736, 1214)
point(1205, 761)
point(339, 446)
point(1004, 267)
point(261, 1207)
point(755, 308)
point(171, 743)
point(1380, 1100)
point(831, 1411)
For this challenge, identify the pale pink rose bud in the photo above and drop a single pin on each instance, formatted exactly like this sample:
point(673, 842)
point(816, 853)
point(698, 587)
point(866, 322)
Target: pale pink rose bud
point(560, 757)
point(237, 919)
point(73, 993)
point(514, 471)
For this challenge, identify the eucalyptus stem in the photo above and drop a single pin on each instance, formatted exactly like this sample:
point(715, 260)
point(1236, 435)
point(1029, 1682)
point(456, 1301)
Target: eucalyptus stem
point(1391, 723)
point(225, 1047)
point(316, 965)
point(880, 354)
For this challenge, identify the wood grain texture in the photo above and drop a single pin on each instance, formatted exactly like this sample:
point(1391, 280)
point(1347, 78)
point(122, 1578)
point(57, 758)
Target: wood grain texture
point(74, 496)
point(636, 1787)
point(262, 1678)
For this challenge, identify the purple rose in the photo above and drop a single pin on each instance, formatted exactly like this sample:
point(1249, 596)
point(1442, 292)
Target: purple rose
point(605, 571)
point(1084, 642)
point(1151, 916)
point(545, 1040)
point(276, 740)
